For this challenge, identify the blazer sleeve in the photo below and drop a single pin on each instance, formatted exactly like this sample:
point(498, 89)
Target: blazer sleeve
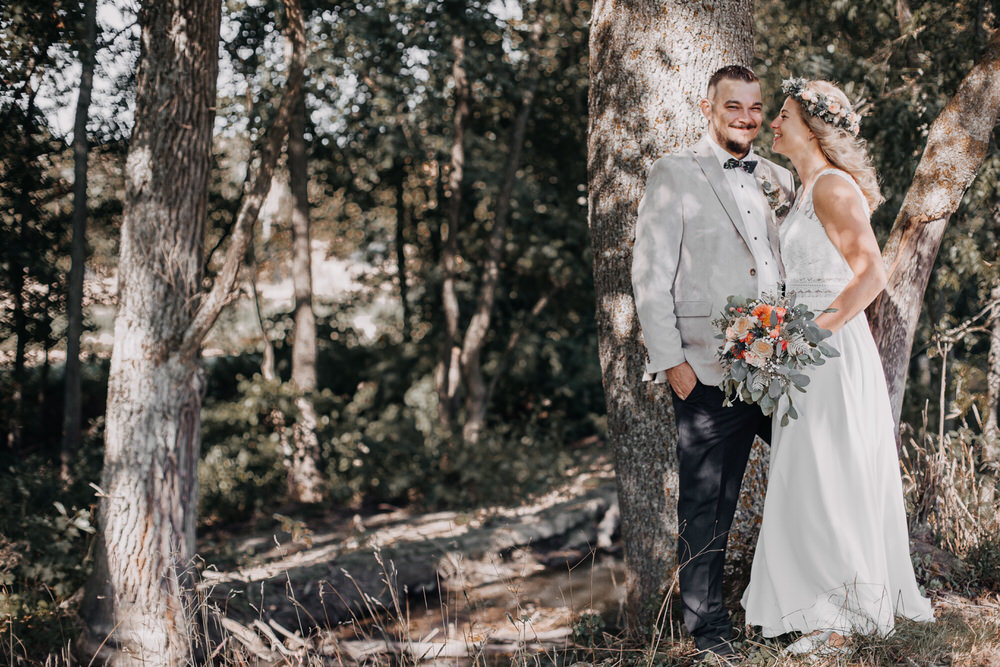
point(655, 257)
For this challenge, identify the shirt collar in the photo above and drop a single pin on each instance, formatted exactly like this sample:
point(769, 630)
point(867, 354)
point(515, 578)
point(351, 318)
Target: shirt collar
point(722, 154)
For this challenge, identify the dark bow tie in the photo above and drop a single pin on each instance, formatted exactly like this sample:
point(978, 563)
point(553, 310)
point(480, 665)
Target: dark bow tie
point(746, 165)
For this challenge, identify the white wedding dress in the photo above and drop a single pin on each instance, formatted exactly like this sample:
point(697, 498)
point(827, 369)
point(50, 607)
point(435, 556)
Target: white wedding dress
point(833, 551)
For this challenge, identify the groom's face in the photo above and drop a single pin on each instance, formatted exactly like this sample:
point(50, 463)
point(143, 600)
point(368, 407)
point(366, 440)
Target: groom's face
point(734, 111)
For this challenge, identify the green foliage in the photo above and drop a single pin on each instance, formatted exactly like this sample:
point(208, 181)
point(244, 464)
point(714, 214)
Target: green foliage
point(983, 564)
point(46, 541)
point(378, 430)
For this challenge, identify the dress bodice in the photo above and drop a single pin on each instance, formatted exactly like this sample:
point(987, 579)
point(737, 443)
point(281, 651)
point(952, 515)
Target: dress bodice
point(814, 268)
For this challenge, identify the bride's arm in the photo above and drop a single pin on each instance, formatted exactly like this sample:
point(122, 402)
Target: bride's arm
point(845, 217)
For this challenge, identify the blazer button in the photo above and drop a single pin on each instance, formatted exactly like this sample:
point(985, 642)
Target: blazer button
point(753, 272)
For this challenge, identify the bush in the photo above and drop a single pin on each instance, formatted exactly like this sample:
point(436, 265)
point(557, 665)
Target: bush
point(46, 538)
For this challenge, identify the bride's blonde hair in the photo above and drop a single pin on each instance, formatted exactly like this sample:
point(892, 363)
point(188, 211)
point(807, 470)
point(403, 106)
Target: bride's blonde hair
point(843, 149)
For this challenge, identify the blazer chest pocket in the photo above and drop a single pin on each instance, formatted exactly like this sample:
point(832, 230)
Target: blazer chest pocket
point(692, 308)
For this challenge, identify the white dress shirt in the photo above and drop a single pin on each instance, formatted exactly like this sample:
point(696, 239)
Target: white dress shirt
point(755, 212)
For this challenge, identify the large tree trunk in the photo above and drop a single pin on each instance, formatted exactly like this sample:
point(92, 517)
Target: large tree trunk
point(141, 589)
point(956, 146)
point(78, 245)
point(305, 482)
point(650, 61)
point(448, 369)
point(479, 326)
point(147, 515)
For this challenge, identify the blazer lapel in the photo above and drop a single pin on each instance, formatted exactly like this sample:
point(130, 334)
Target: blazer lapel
point(717, 179)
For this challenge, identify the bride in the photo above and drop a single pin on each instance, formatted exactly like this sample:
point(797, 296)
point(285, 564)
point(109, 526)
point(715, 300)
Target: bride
point(833, 552)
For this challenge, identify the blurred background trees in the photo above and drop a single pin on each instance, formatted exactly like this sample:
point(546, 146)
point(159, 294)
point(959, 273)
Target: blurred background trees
point(456, 357)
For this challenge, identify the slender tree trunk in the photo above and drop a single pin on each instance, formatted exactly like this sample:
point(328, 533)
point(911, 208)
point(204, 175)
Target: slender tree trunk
point(267, 364)
point(305, 482)
point(18, 275)
point(991, 429)
point(479, 326)
point(956, 147)
point(78, 245)
point(650, 61)
point(448, 369)
point(402, 223)
point(140, 594)
point(20, 353)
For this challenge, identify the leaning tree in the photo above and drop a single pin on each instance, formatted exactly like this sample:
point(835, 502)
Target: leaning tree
point(138, 602)
point(650, 61)
point(957, 144)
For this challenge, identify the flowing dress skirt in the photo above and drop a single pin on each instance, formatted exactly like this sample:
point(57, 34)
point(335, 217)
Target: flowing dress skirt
point(833, 551)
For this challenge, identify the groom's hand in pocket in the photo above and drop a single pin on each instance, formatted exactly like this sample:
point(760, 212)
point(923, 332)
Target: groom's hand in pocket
point(682, 379)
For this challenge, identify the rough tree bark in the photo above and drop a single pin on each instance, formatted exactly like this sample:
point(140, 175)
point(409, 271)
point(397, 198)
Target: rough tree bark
point(78, 244)
point(956, 147)
point(447, 372)
point(305, 482)
point(139, 597)
point(476, 389)
point(649, 65)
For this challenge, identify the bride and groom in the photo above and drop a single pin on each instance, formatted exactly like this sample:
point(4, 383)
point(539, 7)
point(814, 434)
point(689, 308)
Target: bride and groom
point(832, 556)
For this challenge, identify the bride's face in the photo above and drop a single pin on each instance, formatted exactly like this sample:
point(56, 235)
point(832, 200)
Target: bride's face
point(791, 133)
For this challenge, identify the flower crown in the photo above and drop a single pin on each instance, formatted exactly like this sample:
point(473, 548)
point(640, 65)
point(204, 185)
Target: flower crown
point(817, 104)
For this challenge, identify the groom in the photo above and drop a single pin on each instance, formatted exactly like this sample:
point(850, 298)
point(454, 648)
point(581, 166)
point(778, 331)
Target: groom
point(705, 232)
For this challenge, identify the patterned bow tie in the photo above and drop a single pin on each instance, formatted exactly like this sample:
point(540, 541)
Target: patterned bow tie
point(746, 165)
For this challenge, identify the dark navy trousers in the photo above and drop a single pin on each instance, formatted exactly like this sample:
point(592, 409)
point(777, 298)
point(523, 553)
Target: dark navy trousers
point(713, 446)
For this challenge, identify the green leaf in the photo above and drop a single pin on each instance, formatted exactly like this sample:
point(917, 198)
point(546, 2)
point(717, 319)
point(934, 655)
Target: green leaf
point(828, 350)
point(774, 391)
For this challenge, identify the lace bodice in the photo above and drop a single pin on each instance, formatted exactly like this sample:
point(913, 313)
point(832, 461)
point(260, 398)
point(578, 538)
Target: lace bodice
point(814, 268)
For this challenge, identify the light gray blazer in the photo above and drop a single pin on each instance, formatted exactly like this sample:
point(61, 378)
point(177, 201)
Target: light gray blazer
point(691, 252)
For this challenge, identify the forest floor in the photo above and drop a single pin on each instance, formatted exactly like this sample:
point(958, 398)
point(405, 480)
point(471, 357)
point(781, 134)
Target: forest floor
point(538, 582)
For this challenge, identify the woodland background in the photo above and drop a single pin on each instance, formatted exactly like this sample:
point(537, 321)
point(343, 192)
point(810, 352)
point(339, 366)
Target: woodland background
point(444, 354)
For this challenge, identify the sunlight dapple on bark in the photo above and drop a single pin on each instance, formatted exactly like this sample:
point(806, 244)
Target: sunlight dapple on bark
point(650, 61)
point(139, 598)
point(956, 147)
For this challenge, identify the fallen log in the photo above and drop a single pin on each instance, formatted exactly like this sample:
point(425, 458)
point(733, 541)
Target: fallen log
point(330, 584)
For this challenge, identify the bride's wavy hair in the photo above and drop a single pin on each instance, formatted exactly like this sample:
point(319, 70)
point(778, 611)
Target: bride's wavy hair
point(843, 149)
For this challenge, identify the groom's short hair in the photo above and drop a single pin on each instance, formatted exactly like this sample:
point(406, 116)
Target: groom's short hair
point(734, 72)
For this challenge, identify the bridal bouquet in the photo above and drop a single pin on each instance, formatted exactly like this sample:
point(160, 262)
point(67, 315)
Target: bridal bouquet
point(767, 342)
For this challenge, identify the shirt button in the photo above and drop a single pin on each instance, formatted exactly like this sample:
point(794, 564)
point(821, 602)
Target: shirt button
point(753, 272)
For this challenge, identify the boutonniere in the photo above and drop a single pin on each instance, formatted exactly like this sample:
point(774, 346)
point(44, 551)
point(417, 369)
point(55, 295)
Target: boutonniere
point(775, 197)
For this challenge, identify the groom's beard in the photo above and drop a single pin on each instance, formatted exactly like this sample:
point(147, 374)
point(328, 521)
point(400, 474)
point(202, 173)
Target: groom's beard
point(736, 147)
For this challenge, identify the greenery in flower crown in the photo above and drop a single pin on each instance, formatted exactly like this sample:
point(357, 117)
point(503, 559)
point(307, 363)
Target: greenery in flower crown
point(819, 105)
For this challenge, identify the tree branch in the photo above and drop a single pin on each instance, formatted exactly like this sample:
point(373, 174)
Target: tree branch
point(225, 282)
